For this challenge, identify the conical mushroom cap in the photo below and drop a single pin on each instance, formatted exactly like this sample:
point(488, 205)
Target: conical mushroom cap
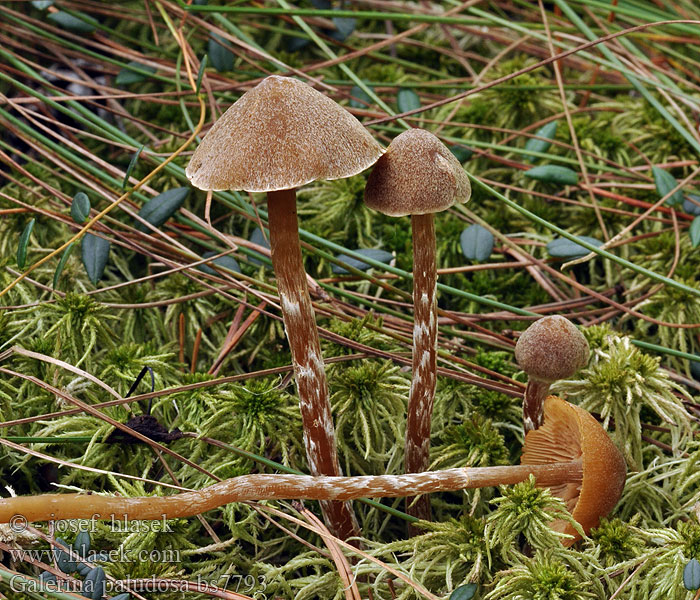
point(417, 175)
point(570, 433)
point(551, 349)
point(281, 135)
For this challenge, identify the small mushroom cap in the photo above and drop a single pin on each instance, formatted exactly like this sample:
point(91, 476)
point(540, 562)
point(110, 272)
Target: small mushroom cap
point(417, 175)
point(551, 349)
point(280, 135)
point(571, 433)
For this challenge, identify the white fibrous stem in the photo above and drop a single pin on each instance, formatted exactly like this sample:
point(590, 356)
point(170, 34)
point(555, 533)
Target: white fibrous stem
point(277, 487)
point(309, 372)
point(424, 364)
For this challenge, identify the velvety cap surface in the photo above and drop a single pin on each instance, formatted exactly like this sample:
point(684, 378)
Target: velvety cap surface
point(280, 135)
point(417, 175)
point(571, 433)
point(551, 349)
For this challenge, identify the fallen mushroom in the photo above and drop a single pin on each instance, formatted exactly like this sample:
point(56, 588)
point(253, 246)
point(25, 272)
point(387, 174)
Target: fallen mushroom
point(278, 136)
point(571, 453)
point(550, 349)
point(419, 176)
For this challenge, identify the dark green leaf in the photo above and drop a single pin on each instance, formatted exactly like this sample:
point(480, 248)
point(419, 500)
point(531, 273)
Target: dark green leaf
point(407, 100)
point(132, 164)
point(62, 264)
point(695, 232)
point(81, 543)
point(564, 248)
point(63, 559)
point(23, 243)
point(67, 21)
point(123, 596)
point(691, 575)
point(94, 584)
point(159, 209)
point(476, 242)
point(461, 153)
point(344, 26)
point(84, 569)
point(691, 204)
point(225, 262)
point(373, 253)
point(359, 98)
point(553, 174)
point(695, 368)
point(80, 207)
point(47, 576)
point(95, 253)
point(200, 73)
point(41, 4)
point(546, 131)
point(665, 182)
point(464, 592)
point(134, 72)
point(221, 57)
point(258, 238)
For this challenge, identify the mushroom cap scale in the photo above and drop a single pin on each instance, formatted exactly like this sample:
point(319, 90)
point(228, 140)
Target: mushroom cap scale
point(571, 433)
point(416, 175)
point(551, 348)
point(280, 135)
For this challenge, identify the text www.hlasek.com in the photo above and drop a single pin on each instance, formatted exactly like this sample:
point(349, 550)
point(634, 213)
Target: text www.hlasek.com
point(118, 555)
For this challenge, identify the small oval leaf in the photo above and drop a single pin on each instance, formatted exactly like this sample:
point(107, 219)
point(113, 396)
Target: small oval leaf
point(95, 253)
point(665, 182)
point(72, 23)
point(41, 4)
point(691, 204)
point(257, 237)
point(344, 26)
point(546, 131)
point(691, 575)
point(81, 544)
point(694, 232)
point(62, 264)
point(94, 584)
point(63, 559)
point(80, 207)
point(464, 592)
point(461, 153)
point(133, 72)
point(695, 368)
point(130, 168)
point(562, 247)
point(476, 242)
point(225, 262)
point(159, 209)
point(359, 98)
point(553, 174)
point(373, 253)
point(84, 569)
point(222, 59)
point(124, 596)
point(407, 100)
point(23, 243)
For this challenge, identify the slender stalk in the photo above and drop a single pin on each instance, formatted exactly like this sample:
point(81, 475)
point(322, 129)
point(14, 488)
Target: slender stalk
point(277, 487)
point(533, 404)
point(309, 372)
point(420, 399)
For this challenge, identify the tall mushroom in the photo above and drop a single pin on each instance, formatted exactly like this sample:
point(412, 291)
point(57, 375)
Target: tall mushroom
point(419, 176)
point(550, 349)
point(571, 453)
point(278, 136)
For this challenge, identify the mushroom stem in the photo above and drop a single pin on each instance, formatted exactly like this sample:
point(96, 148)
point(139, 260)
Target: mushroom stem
point(268, 487)
point(424, 365)
point(533, 404)
point(309, 372)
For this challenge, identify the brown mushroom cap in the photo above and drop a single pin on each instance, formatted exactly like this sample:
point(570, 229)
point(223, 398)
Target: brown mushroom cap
point(570, 433)
point(417, 175)
point(551, 349)
point(281, 135)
